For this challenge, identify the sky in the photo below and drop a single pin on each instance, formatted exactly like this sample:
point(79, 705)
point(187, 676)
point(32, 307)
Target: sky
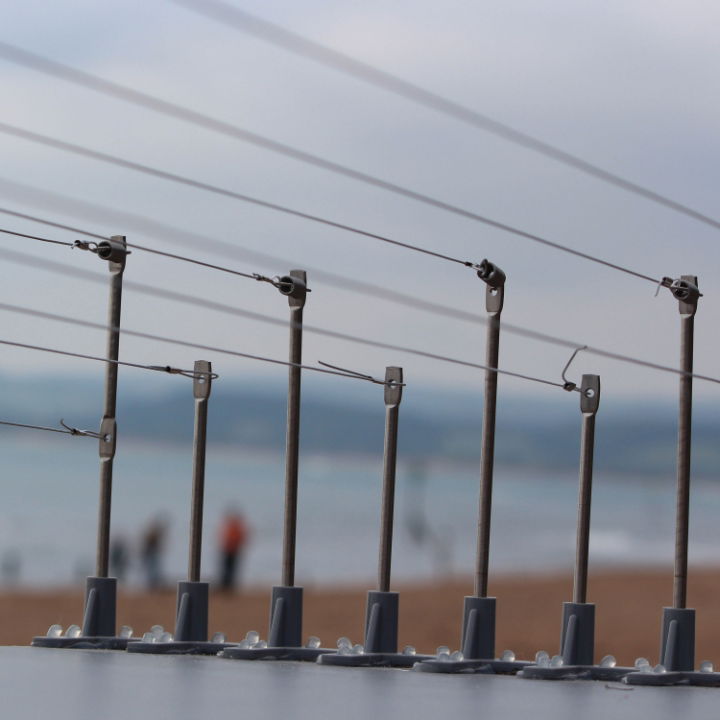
point(629, 86)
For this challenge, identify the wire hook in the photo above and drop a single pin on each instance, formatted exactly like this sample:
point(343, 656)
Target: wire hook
point(84, 433)
point(179, 371)
point(85, 245)
point(363, 376)
point(567, 384)
point(665, 282)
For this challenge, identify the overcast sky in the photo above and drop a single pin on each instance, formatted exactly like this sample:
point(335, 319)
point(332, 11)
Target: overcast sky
point(630, 86)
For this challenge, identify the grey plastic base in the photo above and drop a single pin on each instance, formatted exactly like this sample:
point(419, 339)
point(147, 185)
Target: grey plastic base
point(191, 619)
point(396, 660)
point(478, 628)
point(100, 607)
point(98, 628)
point(286, 609)
point(575, 672)
point(677, 642)
point(181, 647)
point(298, 654)
point(467, 667)
point(381, 622)
point(694, 677)
point(83, 642)
point(577, 638)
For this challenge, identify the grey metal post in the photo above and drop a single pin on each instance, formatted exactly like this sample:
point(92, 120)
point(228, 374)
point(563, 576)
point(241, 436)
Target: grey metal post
point(494, 297)
point(393, 396)
point(478, 625)
point(382, 610)
point(677, 636)
point(296, 301)
point(687, 295)
point(589, 403)
point(115, 252)
point(202, 384)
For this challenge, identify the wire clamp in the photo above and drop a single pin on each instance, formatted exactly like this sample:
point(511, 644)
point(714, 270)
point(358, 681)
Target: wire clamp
point(88, 245)
point(363, 376)
point(192, 374)
point(83, 433)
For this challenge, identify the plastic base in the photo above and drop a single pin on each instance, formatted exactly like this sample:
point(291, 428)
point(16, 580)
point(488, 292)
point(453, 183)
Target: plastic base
point(83, 642)
point(479, 667)
point(191, 618)
point(577, 638)
point(677, 642)
point(300, 654)
point(575, 672)
point(478, 628)
point(98, 629)
point(286, 609)
point(100, 607)
point(381, 623)
point(397, 660)
point(692, 677)
point(181, 647)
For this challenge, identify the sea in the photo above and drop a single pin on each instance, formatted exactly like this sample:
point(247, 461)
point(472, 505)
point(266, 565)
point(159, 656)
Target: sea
point(49, 501)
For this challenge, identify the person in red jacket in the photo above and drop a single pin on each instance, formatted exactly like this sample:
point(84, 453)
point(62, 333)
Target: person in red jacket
point(234, 536)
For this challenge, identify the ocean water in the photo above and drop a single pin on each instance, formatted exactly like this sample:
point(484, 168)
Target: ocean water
point(49, 496)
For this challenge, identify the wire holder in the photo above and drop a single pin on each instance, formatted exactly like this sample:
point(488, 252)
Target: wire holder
point(98, 630)
point(191, 627)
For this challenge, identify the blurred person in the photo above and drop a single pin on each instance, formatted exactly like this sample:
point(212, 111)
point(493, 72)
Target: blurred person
point(10, 566)
point(119, 557)
point(233, 538)
point(152, 545)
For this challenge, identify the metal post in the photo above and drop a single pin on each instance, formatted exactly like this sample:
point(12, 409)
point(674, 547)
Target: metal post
point(677, 635)
point(687, 294)
point(589, 403)
point(202, 384)
point(115, 252)
point(478, 626)
point(494, 297)
point(393, 396)
point(297, 290)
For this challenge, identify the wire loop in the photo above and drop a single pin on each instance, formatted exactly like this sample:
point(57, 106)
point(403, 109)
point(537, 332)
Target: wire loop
point(185, 373)
point(362, 376)
point(88, 245)
point(83, 433)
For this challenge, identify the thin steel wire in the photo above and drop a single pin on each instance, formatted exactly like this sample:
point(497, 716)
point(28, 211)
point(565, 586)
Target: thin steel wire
point(234, 250)
point(35, 237)
point(186, 343)
point(160, 338)
point(155, 368)
point(50, 223)
point(299, 45)
point(30, 261)
point(72, 431)
point(183, 113)
point(143, 248)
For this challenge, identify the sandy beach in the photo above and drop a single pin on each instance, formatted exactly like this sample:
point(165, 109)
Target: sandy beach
point(628, 603)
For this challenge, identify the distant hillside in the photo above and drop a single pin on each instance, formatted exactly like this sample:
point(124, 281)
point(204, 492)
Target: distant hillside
point(633, 438)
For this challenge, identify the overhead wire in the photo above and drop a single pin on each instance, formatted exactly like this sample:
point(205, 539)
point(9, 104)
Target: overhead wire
point(226, 248)
point(215, 189)
point(65, 430)
point(34, 237)
point(156, 368)
point(150, 336)
point(31, 261)
point(106, 87)
point(299, 45)
point(144, 248)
